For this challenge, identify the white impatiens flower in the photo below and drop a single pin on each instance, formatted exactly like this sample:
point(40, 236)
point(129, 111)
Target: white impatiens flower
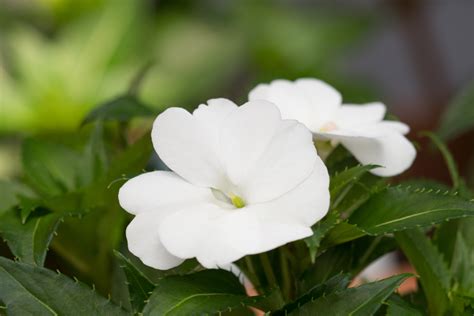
point(360, 128)
point(243, 181)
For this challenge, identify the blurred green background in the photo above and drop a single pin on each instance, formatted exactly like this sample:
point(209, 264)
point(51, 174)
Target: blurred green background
point(60, 58)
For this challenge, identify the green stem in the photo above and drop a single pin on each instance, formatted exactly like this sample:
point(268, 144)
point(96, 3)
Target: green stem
point(254, 276)
point(370, 249)
point(285, 273)
point(267, 268)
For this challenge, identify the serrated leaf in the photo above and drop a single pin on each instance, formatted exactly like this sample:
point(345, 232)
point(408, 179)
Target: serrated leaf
point(52, 169)
point(462, 263)
point(434, 275)
point(201, 293)
point(29, 290)
point(139, 286)
point(337, 283)
point(363, 300)
point(459, 117)
point(345, 179)
point(341, 233)
point(396, 209)
point(29, 241)
point(120, 109)
point(320, 229)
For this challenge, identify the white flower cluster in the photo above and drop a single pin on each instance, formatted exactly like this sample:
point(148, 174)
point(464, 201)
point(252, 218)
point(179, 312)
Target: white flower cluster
point(247, 179)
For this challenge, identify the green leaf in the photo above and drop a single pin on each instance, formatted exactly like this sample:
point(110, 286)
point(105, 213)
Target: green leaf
point(29, 241)
point(320, 229)
point(363, 300)
point(9, 194)
point(397, 208)
point(399, 307)
point(52, 169)
point(29, 290)
point(459, 117)
point(201, 293)
point(344, 180)
point(462, 263)
point(358, 194)
point(341, 233)
point(350, 188)
point(337, 283)
point(434, 275)
point(139, 286)
point(120, 109)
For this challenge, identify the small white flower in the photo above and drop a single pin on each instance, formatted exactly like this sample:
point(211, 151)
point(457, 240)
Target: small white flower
point(244, 181)
point(361, 129)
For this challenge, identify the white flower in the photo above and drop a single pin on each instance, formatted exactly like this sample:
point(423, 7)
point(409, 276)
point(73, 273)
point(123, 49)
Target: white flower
point(244, 181)
point(361, 129)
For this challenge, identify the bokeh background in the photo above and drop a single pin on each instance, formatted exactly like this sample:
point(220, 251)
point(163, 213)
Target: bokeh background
point(61, 58)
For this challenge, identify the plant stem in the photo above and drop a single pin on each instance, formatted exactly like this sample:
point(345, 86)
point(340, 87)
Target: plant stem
point(285, 273)
point(253, 273)
point(267, 268)
point(370, 249)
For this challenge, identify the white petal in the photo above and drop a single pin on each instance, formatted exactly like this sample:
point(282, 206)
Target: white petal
point(211, 116)
point(144, 242)
point(186, 147)
point(287, 160)
point(396, 126)
point(305, 205)
point(159, 190)
point(323, 98)
point(309, 101)
point(195, 233)
point(350, 116)
point(386, 148)
point(218, 237)
point(245, 135)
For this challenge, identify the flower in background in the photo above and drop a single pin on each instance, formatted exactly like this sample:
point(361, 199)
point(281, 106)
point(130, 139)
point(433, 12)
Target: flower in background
point(360, 128)
point(243, 181)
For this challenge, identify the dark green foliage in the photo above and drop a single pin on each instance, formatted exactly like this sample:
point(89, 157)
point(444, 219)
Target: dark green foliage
point(459, 117)
point(29, 290)
point(363, 300)
point(435, 276)
point(408, 208)
point(139, 286)
point(205, 292)
point(120, 109)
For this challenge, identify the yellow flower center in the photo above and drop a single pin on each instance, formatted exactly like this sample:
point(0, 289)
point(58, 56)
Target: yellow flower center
point(237, 201)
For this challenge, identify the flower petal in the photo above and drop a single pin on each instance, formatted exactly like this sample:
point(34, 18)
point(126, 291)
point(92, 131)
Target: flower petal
point(185, 145)
point(287, 161)
point(234, 234)
point(310, 101)
point(196, 233)
point(144, 242)
point(159, 190)
point(244, 137)
point(305, 205)
point(396, 126)
point(379, 146)
point(351, 116)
